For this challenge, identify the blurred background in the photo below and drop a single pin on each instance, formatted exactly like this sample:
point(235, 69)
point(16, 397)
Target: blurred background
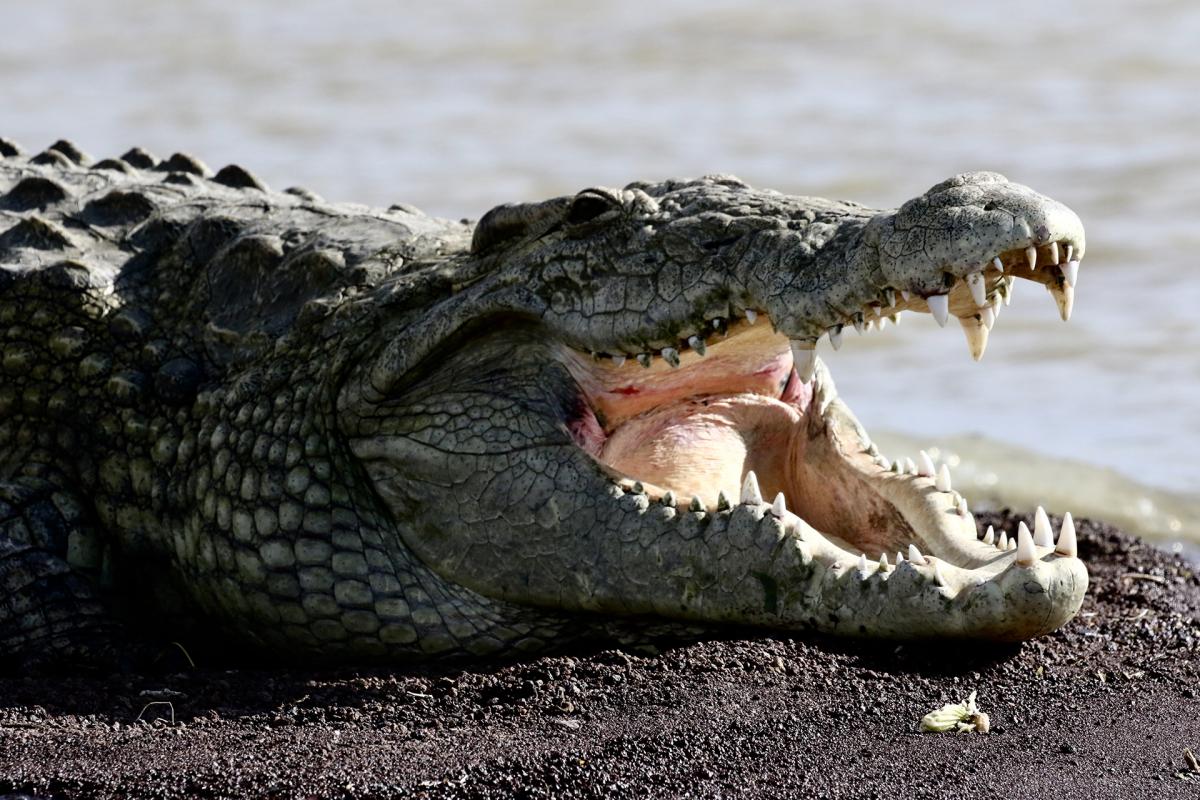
point(456, 106)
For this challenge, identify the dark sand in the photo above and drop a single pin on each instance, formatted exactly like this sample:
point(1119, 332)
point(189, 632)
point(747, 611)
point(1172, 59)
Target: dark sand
point(1104, 708)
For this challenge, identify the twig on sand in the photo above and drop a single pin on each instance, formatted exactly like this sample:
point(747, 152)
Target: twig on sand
point(166, 703)
point(1142, 576)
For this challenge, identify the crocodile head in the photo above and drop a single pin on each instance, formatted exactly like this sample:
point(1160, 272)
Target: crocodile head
point(620, 408)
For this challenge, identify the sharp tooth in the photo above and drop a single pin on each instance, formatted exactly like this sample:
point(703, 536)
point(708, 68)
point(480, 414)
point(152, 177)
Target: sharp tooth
point(937, 574)
point(1025, 553)
point(671, 356)
point(1012, 544)
point(1070, 272)
point(905, 296)
point(779, 507)
point(963, 510)
point(696, 505)
point(883, 562)
point(978, 287)
point(998, 264)
point(1066, 537)
point(889, 297)
point(751, 316)
point(1054, 252)
point(914, 555)
point(1043, 535)
point(804, 359)
point(895, 318)
point(939, 306)
point(638, 488)
point(719, 326)
point(835, 337)
point(988, 316)
point(899, 558)
point(925, 464)
point(750, 491)
point(943, 479)
point(644, 360)
point(668, 499)
point(1070, 252)
point(723, 503)
point(862, 562)
point(882, 462)
point(1002, 542)
point(1031, 256)
point(910, 467)
point(1008, 290)
point(618, 360)
point(990, 536)
point(977, 335)
point(857, 319)
point(697, 344)
point(1064, 296)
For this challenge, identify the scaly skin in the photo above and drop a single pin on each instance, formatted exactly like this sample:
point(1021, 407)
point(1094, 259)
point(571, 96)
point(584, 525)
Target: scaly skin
point(352, 433)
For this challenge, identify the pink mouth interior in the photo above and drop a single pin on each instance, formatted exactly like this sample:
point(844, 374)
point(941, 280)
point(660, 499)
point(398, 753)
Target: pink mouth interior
point(697, 429)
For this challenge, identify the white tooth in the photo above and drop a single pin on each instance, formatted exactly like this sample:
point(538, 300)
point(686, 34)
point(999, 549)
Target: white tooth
point(668, 499)
point(990, 536)
point(835, 337)
point(977, 335)
point(998, 264)
point(895, 318)
point(978, 287)
point(1066, 537)
point(1008, 290)
point(910, 467)
point(943, 479)
point(644, 360)
point(1012, 544)
point(858, 323)
point(618, 360)
point(989, 317)
point(899, 558)
point(723, 503)
point(750, 492)
point(1054, 252)
point(914, 555)
point(882, 322)
point(939, 306)
point(883, 562)
point(804, 359)
point(1070, 272)
point(697, 344)
point(962, 506)
point(1043, 535)
point(1002, 542)
point(751, 316)
point(1064, 297)
point(1025, 553)
point(905, 295)
point(1070, 252)
point(1031, 256)
point(696, 504)
point(862, 562)
point(889, 297)
point(925, 464)
point(671, 356)
point(937, 574)
point(882, 462)
point(779, 507)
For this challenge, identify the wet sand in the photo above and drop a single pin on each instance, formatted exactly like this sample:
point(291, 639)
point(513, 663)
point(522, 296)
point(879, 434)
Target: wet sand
point(1103, 708)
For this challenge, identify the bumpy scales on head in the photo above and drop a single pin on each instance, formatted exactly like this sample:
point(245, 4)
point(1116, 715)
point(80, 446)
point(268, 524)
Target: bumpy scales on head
point(356, 433)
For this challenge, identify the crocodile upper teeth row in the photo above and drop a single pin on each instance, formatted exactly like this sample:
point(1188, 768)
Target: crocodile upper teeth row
point(879, 314)
point(1023, 542)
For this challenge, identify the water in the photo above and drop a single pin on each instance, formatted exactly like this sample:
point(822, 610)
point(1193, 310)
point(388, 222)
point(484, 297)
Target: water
point(458, 106)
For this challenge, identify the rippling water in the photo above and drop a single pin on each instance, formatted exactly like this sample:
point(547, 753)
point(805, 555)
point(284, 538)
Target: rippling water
point(458, 106)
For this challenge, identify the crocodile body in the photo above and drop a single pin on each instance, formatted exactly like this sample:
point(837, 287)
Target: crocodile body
point(358, 433)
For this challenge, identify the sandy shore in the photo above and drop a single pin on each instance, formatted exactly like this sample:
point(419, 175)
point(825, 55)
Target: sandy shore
point(1103, 708)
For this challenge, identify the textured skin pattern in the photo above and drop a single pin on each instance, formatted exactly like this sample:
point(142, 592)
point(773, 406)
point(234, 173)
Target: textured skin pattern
point(343, 431)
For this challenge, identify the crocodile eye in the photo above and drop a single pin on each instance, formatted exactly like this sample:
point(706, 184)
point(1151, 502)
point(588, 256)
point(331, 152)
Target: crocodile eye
point(989, 206)
point(588, 206)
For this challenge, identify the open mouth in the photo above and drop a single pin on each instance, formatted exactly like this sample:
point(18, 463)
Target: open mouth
point(736, 415)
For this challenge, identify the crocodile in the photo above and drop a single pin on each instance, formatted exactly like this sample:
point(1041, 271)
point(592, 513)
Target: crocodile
point(346, 433)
